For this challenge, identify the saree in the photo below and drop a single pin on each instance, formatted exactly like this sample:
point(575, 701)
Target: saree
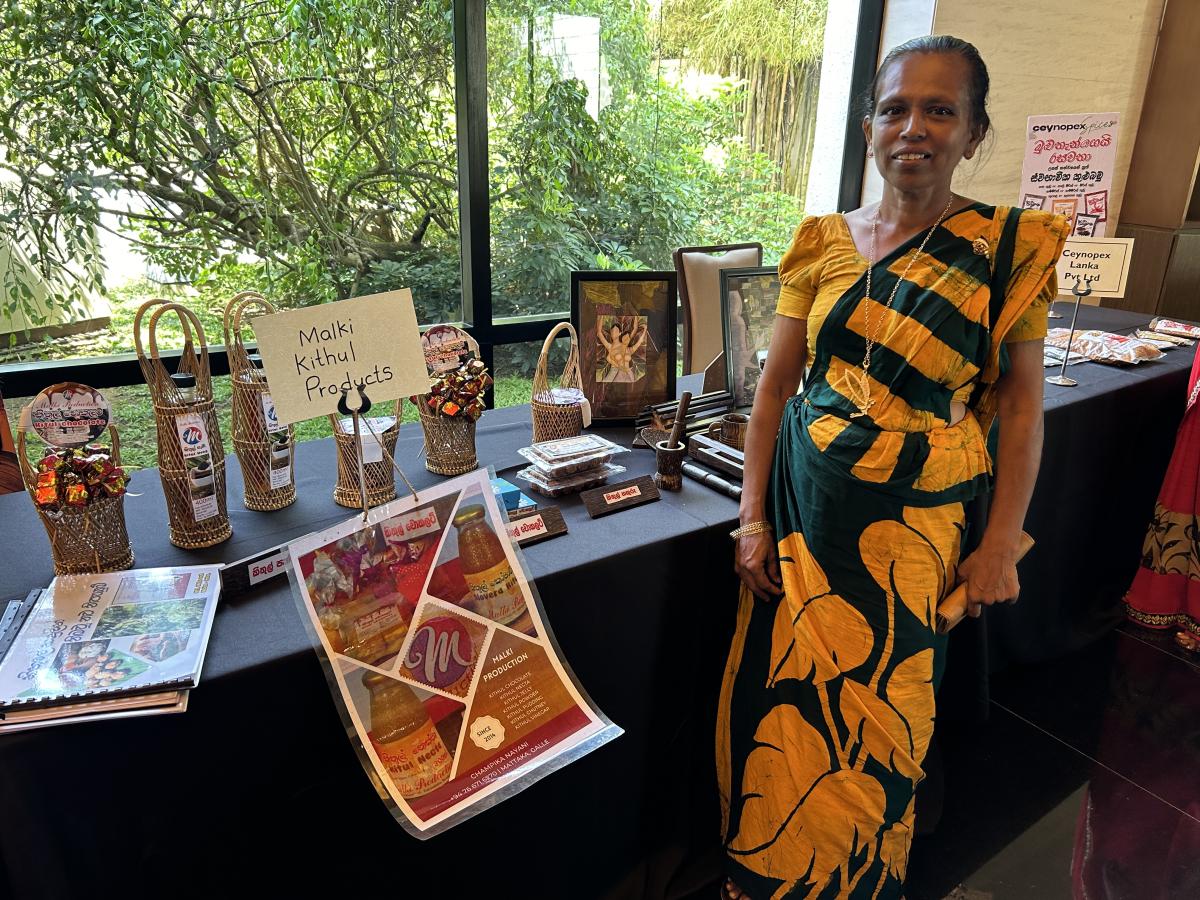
point(1166, 589)
point(827, 706)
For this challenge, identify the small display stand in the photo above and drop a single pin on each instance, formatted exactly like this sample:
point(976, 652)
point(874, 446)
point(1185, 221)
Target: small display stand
point(191, 455)
point(558, 412)
point(265, 449)
point(87, 540)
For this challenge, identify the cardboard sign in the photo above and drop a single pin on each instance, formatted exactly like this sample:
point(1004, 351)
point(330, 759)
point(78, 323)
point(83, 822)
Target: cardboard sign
point(1104, 260)
point(311, 355)
point(1068, 168)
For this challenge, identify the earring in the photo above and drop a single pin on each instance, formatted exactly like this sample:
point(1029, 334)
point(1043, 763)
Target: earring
point(870, 153)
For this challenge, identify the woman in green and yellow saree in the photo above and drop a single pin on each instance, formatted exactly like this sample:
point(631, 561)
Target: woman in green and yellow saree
point(918, 321)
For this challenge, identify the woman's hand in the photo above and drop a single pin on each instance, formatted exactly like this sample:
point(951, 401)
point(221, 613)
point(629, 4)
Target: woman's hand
point(756, 559)
point(991, 577)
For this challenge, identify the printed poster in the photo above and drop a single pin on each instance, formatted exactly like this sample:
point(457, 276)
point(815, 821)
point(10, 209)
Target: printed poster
point(439, 656)
point(1068, 168)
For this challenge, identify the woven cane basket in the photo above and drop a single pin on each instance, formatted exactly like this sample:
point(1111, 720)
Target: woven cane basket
point(87, 540)
point(449, 442)
point(194, 523)
point(380, 476)
point(552, 418)
point(264, 462)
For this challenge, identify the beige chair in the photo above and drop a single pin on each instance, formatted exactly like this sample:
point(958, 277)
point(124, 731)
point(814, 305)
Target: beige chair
point(699, 271)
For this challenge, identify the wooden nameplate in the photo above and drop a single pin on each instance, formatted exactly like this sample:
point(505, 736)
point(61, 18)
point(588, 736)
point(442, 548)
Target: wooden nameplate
point(613, 498)
point(715, 455)
point(534, 524)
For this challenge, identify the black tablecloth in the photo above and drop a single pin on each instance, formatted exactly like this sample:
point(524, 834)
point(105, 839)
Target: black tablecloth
point(257, 786)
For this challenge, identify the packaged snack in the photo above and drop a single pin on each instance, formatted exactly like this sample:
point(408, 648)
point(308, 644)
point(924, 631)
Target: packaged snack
point(1100, 346)
point(568, 456)
point(1163, 337)
point(571, 484)
point(1166, 326)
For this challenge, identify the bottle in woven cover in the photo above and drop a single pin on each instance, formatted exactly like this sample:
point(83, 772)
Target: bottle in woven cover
point(264, 448)
point(191, 453)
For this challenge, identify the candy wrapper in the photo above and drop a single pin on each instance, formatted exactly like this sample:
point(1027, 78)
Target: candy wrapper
point(459, 393)
point(76, 478)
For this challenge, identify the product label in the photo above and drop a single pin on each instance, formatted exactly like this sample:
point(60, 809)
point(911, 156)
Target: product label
point(527, 527)
point(417, 763)
point(282, 476)
point(383, 619)
point(497, 593)
point(269, 415)
point(624, 494)
point(197, 459)
point(264, 569)
point(411, 525)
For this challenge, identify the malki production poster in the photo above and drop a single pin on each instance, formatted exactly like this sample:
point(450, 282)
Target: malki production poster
point(1068, 168)
point(439, 655)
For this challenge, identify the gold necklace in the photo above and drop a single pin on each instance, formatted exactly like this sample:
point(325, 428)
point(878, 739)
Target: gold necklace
point(862, 395)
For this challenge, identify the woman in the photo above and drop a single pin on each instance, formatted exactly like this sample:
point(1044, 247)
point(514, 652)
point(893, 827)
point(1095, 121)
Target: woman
point(1165, 593)
point(853, 533)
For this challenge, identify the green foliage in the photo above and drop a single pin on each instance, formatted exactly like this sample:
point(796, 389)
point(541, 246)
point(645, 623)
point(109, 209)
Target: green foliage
point(317, 137)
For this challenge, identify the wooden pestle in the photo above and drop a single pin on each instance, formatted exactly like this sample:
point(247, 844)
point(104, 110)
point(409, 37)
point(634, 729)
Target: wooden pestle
point(951, 610)
point(677, 429)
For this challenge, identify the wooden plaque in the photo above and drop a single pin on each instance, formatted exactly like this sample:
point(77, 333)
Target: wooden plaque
point(534, 524)
point(613, 498)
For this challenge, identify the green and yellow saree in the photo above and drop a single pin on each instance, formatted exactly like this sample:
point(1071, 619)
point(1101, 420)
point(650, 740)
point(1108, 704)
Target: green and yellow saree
point(828, 702)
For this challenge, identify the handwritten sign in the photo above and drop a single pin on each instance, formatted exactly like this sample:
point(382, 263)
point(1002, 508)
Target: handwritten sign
point(1104, 260)
point(1068, 168)
point(311, 355)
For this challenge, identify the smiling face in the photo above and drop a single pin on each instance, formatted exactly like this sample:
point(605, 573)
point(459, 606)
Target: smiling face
point(921, 127)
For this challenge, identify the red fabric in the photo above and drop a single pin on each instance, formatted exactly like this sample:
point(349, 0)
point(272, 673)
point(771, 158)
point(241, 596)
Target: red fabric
point(1166, 600)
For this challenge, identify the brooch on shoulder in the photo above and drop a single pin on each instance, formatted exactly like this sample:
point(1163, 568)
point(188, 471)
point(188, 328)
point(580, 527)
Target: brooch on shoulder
point(980, 246)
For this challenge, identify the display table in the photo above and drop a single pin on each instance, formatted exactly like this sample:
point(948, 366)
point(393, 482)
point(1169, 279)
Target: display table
point(258, 781)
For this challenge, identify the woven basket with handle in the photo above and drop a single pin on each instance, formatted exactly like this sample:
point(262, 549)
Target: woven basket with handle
point(85, 540)
point(264, 461)
point(193, 523)
point(558, 410)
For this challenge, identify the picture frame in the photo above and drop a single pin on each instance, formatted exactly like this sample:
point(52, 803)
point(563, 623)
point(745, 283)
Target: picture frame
point(626, 323)
point(749, 297)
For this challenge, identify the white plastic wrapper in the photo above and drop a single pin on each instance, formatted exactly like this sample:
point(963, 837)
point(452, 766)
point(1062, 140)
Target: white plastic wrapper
point(1101, 346)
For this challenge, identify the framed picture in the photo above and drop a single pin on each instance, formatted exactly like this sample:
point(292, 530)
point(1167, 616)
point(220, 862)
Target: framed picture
point(626, 327)
point(748, 300)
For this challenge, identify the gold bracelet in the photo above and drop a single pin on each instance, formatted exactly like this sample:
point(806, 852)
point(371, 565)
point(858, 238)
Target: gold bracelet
point(751, 528)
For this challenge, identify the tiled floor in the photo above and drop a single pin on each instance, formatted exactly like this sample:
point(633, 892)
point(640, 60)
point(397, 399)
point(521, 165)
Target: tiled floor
point(1084, 783)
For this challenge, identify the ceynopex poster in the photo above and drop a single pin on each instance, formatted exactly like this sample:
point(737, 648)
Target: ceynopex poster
point(1068, 168)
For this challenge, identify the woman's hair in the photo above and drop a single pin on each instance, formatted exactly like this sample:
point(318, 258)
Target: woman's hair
point(978, 82)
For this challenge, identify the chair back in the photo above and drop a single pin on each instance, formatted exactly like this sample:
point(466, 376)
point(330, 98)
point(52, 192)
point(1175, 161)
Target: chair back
point(699, 271)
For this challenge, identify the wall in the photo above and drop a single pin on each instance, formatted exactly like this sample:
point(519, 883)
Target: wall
point(1104, 52)
point(1103, 67)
